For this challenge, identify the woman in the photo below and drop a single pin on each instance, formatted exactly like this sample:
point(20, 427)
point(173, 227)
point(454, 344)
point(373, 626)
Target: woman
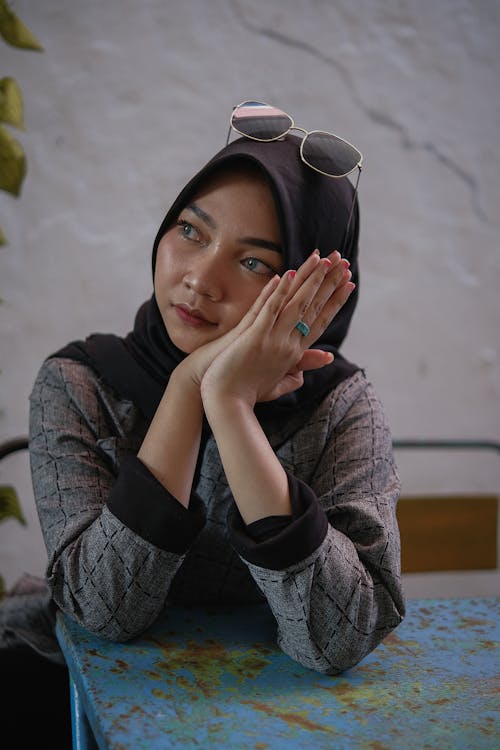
point(224, 451)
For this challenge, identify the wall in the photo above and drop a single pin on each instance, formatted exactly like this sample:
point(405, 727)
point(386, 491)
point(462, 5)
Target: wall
point(129, 99)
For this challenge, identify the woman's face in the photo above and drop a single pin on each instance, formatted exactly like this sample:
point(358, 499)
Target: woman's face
point(213, 263)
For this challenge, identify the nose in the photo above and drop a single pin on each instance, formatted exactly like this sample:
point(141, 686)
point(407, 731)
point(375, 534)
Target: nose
point(205, 276)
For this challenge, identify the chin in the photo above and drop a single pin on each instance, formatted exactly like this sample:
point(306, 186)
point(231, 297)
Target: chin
point(188, 344)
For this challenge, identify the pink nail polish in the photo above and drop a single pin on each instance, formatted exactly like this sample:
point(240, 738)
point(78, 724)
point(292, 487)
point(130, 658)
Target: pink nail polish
point(291, 274)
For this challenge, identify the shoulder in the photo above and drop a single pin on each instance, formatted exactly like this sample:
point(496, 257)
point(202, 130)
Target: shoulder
point(63, 371)
point(357, 394)
point(352, 408)
point(310, 428)
point(348, 392)
point(65, 377)
point(63, 384)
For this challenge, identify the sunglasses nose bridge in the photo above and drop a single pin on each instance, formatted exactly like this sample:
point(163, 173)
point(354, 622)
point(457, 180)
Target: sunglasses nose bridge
point(293, 126)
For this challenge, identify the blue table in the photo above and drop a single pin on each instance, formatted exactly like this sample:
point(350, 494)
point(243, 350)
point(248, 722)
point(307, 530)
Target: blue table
point(213, 678)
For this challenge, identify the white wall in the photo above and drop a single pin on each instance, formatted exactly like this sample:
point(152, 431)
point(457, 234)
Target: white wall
point(130, 98)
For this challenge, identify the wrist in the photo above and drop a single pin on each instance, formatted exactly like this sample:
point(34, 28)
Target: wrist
point(186, 379)
point(222, 406)
point(183, 390)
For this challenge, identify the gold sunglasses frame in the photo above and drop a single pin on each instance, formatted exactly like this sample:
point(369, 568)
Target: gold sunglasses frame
point(293, 126)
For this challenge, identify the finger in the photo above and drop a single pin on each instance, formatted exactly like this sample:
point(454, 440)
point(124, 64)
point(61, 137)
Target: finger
point(311, 263)
point(335, 258)
point(318, 295)
point(290, 299)
point(334, 280)
point(331, 308)
point(300, 301)
point(323, 315)
point(276, 300)
point(251, 315)
point(303, 272)
point(290, 382)
point(313, 359)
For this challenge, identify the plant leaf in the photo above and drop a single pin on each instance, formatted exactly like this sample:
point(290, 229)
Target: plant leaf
point(12, 163)
point(11, 103)
point(14, 31)
point(3, 240)
point(9, 504)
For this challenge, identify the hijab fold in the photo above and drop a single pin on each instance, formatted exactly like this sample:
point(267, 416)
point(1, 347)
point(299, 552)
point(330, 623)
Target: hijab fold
point(313, 211)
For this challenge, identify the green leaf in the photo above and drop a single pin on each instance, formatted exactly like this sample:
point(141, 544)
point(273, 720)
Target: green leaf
point(12, 163)
point(9, 504)
point(3, 240)
point(14, 31)
point(11, 103)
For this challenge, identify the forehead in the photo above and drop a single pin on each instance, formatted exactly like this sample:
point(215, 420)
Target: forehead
point(238, 175)
point(239, 194)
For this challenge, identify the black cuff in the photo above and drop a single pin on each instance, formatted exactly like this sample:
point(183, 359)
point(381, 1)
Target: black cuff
point(300, 538)
point(266, 528)
point(140, 502)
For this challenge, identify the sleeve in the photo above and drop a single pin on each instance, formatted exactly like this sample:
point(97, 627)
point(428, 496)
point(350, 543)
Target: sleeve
point(332, 576)
point(114, 536)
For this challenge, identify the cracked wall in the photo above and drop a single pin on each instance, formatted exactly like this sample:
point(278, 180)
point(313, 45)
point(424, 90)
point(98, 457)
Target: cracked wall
point(129, 99)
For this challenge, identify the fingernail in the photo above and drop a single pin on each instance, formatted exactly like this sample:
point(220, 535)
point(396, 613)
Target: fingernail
point(315, 252)
point(291, 274)
point(326, 262)
point(345, 263)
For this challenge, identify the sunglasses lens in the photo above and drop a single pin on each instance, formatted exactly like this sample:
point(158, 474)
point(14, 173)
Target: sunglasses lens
point(260, 121)
point(329, 154)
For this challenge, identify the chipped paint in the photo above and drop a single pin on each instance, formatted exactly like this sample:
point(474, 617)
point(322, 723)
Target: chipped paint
point(217, 679)
point(295, 718)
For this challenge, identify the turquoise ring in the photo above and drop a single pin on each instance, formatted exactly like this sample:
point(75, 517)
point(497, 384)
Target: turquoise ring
point(302, 327)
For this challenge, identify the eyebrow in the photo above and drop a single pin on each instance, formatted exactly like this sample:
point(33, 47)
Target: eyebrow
point(201, 214)
point(265, 244)
point(255, 241)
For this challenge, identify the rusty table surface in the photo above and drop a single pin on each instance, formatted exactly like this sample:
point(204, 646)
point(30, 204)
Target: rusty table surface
point(214, 678)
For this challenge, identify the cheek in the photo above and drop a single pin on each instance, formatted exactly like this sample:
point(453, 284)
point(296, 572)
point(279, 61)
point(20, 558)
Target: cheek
point(168, 267)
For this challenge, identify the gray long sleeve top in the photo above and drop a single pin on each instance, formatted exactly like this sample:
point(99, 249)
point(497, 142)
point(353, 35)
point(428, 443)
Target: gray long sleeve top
point(120, 547)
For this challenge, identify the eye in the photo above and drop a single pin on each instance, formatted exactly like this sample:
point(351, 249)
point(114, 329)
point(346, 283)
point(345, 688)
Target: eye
point(188, 231)
point(258, 266)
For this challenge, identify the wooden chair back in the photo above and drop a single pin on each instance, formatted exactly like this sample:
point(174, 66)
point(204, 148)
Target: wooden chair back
point(444, 532)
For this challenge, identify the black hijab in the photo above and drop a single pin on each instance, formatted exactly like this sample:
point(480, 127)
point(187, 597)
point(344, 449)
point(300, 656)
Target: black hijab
point(313, 212)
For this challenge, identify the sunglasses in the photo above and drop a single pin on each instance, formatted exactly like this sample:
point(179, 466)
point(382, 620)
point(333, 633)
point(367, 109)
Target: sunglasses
point(324, 152)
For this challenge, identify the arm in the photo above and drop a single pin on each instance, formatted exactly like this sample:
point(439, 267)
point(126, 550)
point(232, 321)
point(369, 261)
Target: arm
point(335, 591)
point(332, 578)
point(181, 405)
point(266, 360)
point(111, 554)
point(170, 454)
point(257, 480)
point(116, 526)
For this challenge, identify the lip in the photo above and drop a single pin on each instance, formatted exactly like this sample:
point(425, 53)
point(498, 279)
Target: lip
point(191, 316)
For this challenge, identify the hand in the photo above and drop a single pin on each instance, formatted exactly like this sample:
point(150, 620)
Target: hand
point(268, 356)
point(195, 364)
